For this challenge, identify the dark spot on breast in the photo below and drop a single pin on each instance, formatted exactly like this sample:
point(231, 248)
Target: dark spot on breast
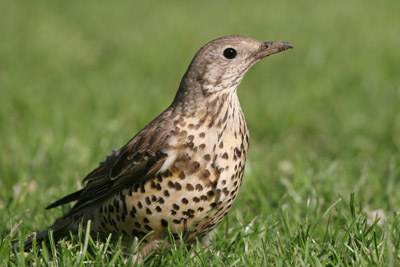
point(185, 201)
point(210, 193)
point(148, 211)
point(190, 138)
point(225, 156)
point(202, 135)
point(139, 204)
point(148, 228)
point(204, 197)
point(213, 205)
point(158, 209)
point(166, 193)
point(189, 187)
point(137, 225)
point(164, 223)
point(153, 185)
point(161, 200)
point(148, 201)
point(175, 207)
point(202, 146)
point(193, 167)
point(225, 191)
point(196, 199)
point(173, 212)
point(188, 214)
point(238, 152)
point(158, 187)
point(145, 220)
point(142, 189)
point(207, 157)
point(176, 221)
point(199, 187)
point(153, 198)
point(191, 126)
point(190, 211)
point(171, 184)
point(182, 175)
point(200, 209)
point(178, 186)
point(202, 120)
point(167, 173)
point(132, 212)
point(189, 145)
point(221, 145)
point(205, 174)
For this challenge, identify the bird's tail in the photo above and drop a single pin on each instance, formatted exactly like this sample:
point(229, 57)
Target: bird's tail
point(60, 228)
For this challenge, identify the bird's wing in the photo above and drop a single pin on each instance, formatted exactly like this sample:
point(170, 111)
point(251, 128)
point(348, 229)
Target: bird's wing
point(139, 160)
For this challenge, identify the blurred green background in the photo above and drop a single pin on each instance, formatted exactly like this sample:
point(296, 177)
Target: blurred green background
point(78, 79)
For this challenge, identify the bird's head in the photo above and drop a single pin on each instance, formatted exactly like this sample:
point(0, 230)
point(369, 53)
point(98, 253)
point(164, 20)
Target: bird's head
point(222, 63)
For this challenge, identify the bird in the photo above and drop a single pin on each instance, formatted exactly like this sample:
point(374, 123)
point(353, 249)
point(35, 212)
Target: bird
point(182, 172)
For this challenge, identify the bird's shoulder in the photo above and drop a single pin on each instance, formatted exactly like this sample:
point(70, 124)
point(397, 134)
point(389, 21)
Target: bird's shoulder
point(141, 153)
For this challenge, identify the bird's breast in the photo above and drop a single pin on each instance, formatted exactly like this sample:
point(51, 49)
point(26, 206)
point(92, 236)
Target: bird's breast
point(210, 154)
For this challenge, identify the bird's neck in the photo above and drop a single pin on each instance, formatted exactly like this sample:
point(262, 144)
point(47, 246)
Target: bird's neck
point(218, 110)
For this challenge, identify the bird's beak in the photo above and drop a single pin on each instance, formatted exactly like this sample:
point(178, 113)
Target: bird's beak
point(269, 48)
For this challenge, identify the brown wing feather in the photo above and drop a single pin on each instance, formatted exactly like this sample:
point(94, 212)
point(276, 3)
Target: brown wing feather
point(140, 159)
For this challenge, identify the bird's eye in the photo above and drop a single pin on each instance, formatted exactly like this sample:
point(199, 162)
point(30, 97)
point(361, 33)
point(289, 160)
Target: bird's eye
point(230, 53)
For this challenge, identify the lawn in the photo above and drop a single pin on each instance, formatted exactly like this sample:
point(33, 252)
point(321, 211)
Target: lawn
point(79, 79)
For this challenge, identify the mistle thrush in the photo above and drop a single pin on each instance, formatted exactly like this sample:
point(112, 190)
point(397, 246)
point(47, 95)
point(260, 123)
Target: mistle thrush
point(184, 169)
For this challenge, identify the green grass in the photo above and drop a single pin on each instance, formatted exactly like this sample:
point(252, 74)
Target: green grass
point(79, 79)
